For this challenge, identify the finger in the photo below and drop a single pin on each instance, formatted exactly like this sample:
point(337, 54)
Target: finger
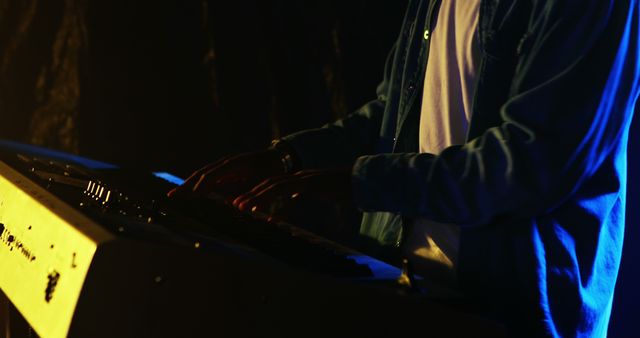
point(270, 182)
point(173, 192)
point(280, 193)
point(236, 169)
point(212, 179)
point(252, 200)
point(308, 172)
point(187, 185)
point(198, 173)
point(261, 202)
point(221, 173)
point(264, 185)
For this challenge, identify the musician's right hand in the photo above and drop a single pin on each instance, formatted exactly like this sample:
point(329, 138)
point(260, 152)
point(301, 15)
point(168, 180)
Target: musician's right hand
point(233, 175)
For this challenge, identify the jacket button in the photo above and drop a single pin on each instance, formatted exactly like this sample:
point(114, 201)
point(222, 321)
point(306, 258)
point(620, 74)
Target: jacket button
point(427, 34)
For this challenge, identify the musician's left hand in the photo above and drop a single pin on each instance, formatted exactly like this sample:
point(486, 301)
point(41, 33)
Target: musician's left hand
point(285, 192)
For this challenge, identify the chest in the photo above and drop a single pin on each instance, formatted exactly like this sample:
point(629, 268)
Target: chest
point(502, 27)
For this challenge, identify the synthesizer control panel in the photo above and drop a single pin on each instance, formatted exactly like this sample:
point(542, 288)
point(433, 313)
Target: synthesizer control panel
point(88, 249)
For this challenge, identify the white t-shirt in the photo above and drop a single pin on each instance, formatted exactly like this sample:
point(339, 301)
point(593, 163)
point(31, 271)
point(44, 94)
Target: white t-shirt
point(449, 88)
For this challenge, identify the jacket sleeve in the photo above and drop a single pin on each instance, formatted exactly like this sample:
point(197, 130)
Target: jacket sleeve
point(571, 98)
point(339, 143)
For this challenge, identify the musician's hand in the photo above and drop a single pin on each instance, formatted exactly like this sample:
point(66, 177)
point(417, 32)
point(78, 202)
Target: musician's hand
point(232, 175)
point(287, 192)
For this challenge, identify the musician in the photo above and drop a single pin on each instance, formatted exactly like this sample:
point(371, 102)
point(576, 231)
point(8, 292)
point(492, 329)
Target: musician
point(495, 151)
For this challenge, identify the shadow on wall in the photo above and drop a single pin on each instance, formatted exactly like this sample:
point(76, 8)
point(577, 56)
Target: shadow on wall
point(40, 49)
point(174, 84)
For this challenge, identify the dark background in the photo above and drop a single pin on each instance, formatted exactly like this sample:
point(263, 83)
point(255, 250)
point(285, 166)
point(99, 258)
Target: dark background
point(174, 84)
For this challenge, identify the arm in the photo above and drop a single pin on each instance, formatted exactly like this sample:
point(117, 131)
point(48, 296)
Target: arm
point(570, 101)
point(335, 145)
point(339, 143)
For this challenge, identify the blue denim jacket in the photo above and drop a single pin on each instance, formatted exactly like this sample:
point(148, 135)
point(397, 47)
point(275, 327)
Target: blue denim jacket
point(539, 186)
